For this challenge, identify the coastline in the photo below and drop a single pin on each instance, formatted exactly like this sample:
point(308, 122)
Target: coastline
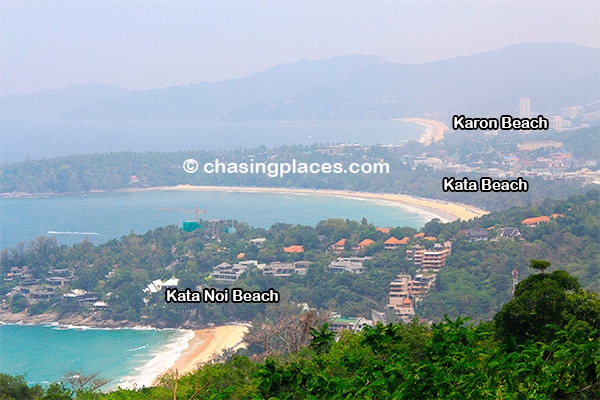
point(446, 211)
point(72, 321)
point(434, 130)
point(206, 344)
point(184, 354)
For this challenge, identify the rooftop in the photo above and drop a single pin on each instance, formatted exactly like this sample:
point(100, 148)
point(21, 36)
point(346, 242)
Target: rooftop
point(294, 249)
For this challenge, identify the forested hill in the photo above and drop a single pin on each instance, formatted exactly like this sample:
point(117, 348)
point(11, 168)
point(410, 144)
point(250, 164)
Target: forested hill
point(114, 171)
point(475, 282)
point(477, 278)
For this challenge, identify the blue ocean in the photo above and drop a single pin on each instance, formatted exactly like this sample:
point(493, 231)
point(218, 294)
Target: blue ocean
point(125, 356)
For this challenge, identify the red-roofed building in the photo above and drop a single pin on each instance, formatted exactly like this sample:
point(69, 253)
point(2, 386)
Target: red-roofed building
point(419, 235)
point(393, 243)
point(294, 249)
point(431, 238)
point(535, 221)
point(406, 310)
point(383, 230)
point(365, 243)
point(339, 245)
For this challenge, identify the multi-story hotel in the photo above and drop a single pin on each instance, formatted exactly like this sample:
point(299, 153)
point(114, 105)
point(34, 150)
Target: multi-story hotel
point(405, 291)
point(433, 259)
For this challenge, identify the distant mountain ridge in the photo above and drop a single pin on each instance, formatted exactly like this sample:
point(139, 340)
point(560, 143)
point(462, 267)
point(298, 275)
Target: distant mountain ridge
point(553, 75)
point(54, 102)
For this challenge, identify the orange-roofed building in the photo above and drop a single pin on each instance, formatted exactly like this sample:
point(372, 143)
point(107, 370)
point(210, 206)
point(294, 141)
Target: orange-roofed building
point(430, 238)
point(535, 221)
point(556, 216)
point(365, 243)
point(383, 230)
point(294, 249)
point(241, 255)
point(405, 310)
point(339, 245)
point(393, 243)
point(419, 235)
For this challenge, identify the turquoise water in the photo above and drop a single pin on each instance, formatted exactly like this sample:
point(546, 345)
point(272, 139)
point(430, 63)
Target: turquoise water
point(104, 216)
point(122, 355)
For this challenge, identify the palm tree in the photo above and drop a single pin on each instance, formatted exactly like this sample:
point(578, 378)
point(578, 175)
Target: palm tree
point(322, 338)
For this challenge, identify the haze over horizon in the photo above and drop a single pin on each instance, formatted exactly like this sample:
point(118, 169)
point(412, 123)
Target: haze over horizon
point(148, 45)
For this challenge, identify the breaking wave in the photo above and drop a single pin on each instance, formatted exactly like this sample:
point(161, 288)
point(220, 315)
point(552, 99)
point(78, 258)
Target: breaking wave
point(71, 233)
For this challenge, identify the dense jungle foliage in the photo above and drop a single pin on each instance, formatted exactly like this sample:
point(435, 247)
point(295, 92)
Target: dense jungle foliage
point(551, 350)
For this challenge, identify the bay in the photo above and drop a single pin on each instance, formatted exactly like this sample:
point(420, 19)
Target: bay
point(111, 215)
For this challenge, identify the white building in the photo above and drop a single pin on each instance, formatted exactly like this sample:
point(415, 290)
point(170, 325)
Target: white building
point(524, 108)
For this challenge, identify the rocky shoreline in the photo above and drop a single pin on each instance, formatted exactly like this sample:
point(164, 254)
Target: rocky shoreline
point(91, 320)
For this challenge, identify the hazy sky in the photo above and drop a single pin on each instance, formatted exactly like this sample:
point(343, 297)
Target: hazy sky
point(142, 45)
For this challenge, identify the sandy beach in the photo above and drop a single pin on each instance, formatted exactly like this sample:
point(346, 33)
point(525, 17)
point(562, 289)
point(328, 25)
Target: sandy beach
point(446, 211)
point(434, 130)
point(207, 343)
